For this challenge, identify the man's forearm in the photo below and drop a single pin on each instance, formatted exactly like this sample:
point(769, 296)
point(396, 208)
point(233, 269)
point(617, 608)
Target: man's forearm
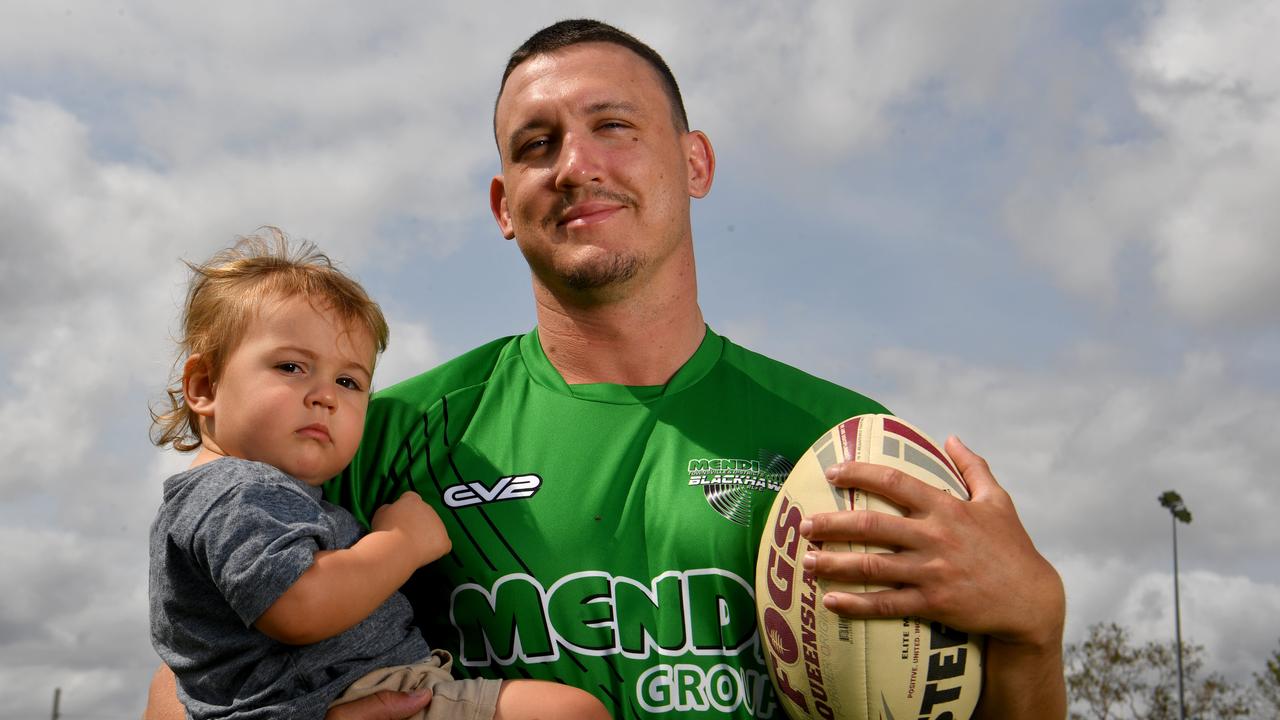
point(162, 697)
point(1023, 683)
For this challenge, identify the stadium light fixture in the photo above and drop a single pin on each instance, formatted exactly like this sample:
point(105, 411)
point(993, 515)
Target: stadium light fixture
point(1172, 501)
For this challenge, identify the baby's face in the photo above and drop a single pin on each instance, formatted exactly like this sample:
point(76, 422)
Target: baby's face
point(293, 393)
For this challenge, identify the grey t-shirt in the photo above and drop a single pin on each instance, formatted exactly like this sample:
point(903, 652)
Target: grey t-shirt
point(230, 537)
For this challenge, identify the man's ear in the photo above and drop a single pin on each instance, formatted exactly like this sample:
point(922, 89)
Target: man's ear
point(501, 210)
point(198, 385)
point(701, 159)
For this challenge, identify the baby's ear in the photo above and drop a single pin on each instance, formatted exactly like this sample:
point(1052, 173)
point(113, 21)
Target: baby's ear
point(198, 385)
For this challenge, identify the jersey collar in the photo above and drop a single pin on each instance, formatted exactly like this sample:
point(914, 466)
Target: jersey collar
point(546, 375)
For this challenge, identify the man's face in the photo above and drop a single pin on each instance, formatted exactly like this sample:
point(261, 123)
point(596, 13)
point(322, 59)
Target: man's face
point(596, 178)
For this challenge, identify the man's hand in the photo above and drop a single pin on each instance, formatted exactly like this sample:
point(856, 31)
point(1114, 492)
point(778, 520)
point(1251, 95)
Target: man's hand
point(970, 565)
point(417, 524)
point(382, 705)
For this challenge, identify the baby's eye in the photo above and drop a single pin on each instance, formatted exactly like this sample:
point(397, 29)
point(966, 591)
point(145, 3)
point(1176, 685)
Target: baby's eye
point(289, 367)
point(349, 383)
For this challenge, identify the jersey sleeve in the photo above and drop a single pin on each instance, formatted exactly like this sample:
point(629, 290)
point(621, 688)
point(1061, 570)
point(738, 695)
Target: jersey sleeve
point(256, 540)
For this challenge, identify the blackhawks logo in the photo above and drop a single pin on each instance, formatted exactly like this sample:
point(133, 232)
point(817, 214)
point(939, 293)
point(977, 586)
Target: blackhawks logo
point(730, 483)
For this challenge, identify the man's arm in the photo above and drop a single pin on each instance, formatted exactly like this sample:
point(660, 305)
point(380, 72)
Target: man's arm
point(162, 703)
point(970, 565)
point(344, 587)
point(162, 697)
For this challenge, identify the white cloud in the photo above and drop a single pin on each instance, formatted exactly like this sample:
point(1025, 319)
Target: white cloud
point(823, 78)
point(75, 619)
point(1193, 190)
point(1209, 82)
point(1085, 451)
point(1226, 614)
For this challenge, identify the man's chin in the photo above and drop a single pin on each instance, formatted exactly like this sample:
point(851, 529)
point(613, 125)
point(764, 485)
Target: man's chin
point(604, 273)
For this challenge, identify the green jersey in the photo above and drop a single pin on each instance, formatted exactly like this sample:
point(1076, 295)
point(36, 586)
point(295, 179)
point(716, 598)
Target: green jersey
point(603, 535)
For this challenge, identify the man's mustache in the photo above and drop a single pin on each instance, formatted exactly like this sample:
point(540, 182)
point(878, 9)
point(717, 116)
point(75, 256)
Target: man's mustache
point(569, 199)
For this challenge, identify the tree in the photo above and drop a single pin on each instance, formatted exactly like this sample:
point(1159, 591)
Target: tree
point(1212, 697)
point(1267, 684)
point(1109, 678)
point(1105, 674)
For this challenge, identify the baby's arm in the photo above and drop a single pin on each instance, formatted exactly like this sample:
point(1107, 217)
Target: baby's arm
point(344, 587)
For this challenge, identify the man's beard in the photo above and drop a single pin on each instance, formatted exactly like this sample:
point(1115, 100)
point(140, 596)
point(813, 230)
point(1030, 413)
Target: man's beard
point(613, 270)
point(598, 272)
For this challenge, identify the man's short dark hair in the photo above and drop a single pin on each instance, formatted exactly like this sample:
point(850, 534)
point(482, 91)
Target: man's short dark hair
point(575, 32)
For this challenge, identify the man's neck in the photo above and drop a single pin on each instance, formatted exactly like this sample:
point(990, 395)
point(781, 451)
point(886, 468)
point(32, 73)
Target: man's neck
point(628, 343)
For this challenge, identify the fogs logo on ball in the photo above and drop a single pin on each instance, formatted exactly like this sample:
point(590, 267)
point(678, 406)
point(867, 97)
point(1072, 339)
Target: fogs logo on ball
point(792, 587)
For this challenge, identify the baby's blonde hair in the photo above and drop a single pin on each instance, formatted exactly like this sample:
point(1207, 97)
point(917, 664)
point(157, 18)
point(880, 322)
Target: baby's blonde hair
point(225, 295)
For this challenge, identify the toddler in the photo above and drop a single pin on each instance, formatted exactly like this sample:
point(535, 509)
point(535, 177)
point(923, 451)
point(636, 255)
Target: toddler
point(266, 602)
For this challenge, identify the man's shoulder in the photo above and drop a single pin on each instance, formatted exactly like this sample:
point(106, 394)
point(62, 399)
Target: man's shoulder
point(798, 385)
point(474, 367)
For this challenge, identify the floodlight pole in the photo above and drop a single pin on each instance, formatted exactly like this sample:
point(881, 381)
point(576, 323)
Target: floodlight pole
point(1178, 512)
point(1177, 619)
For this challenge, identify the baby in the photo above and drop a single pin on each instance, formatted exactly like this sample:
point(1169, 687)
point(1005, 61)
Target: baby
point(266, 601)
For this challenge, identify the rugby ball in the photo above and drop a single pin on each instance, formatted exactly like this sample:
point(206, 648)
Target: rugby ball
point(827, 666)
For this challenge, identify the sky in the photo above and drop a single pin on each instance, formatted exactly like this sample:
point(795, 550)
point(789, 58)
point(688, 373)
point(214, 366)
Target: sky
point(1047, 226)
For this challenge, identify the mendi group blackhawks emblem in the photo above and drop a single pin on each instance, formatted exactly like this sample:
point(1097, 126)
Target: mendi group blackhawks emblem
point(730, 483)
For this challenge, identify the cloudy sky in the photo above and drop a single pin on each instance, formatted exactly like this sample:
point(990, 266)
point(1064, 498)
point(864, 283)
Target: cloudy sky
point(1050, 227)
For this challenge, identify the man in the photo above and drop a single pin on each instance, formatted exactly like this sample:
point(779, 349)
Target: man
point(604, 477)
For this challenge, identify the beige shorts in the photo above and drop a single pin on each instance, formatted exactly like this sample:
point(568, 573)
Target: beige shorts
point(451, 699)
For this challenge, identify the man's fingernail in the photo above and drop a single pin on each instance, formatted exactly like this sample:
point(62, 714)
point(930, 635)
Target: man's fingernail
point(806, 526)
point(810, 561)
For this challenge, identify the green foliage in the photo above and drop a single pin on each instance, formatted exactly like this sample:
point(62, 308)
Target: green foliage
point(1267, 685)
point(1105, 673)
point(1110, 678)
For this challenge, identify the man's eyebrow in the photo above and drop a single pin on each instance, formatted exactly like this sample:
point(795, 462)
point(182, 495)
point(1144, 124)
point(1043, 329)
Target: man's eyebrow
point(521, 131)
point(612, 106)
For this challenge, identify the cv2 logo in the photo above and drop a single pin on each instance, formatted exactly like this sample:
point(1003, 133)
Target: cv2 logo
point(511, 487)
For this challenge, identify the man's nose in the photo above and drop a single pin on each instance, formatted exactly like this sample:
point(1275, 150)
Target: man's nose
point(578, 163)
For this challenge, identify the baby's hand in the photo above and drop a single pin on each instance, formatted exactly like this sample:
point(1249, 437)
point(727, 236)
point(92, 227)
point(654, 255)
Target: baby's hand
point(417, 524)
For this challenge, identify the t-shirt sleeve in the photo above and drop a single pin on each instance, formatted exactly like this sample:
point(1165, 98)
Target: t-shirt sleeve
point(256, 540)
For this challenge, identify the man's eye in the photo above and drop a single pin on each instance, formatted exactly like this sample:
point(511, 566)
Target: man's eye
point(531, 147)
point(349, 383)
